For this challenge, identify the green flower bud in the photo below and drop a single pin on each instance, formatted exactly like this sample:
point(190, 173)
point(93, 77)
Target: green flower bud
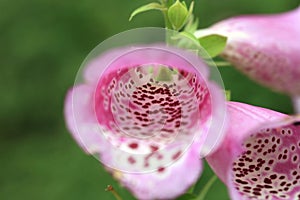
point(178, 15)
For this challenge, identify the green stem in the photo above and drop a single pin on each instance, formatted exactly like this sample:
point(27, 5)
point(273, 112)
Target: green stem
point(164, 73)
point(220, 63)
point(168, 24)
point(112, 190)
point(206, 188)
point(228, 95)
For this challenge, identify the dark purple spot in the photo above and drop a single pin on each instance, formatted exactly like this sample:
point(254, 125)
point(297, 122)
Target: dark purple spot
point(296, 123)
point(153, 148)
point(131, 160)
point(273, 176)
point(267, 180)
point(161, 169)
point(176, 155)
point(241, 182)
point(133, 145)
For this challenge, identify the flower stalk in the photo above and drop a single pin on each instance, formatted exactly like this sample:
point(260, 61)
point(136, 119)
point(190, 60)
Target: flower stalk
point(111, 189)
point(206, 188)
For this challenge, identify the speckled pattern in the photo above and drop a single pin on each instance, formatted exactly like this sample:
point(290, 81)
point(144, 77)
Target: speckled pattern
point(143, 115)
point(269, 168)
point(264, 47)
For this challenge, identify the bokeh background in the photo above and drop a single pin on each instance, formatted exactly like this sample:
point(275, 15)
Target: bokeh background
point(42, 44)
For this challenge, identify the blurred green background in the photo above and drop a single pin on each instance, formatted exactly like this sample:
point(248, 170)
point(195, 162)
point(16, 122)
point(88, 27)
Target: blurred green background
point(43, 43)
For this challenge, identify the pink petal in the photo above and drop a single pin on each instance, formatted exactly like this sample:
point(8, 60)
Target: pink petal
point(259, 158)
point(140, 55)
point(264, 47)
point(166, 183)
point(81, 120)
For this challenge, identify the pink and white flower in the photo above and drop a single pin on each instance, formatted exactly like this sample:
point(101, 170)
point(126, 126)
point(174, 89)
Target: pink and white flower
point(259, 158)
point(148, 113)
point(264, 47)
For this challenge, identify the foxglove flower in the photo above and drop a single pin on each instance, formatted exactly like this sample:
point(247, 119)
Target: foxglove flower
point(147, 113)
point(259, 158)
point(264, 47)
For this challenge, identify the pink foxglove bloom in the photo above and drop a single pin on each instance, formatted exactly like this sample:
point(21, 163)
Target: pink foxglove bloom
point(264, 47)
point(146, 113)
point(259, 158)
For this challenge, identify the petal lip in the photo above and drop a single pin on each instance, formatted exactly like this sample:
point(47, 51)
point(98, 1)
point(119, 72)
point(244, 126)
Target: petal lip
point(141, 55)
point(80, 119)
point(219, 122)
point(118, 44)
point(174, 181)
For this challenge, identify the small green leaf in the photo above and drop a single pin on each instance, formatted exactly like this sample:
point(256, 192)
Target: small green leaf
point(178, 15)
point(191, 25)
point(186, 35)
point(213, 44)
point(147, 7)
point(186, 196)
point(206, 188)
point(185, 40)
point(191, 8)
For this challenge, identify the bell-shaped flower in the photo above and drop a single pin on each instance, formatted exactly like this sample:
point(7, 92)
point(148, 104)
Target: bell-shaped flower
point(264, 47)
point(259, 157)
point(147, 113)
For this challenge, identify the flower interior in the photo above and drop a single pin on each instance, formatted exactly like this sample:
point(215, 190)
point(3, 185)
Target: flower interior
point(269, 168)
point(151, 112)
